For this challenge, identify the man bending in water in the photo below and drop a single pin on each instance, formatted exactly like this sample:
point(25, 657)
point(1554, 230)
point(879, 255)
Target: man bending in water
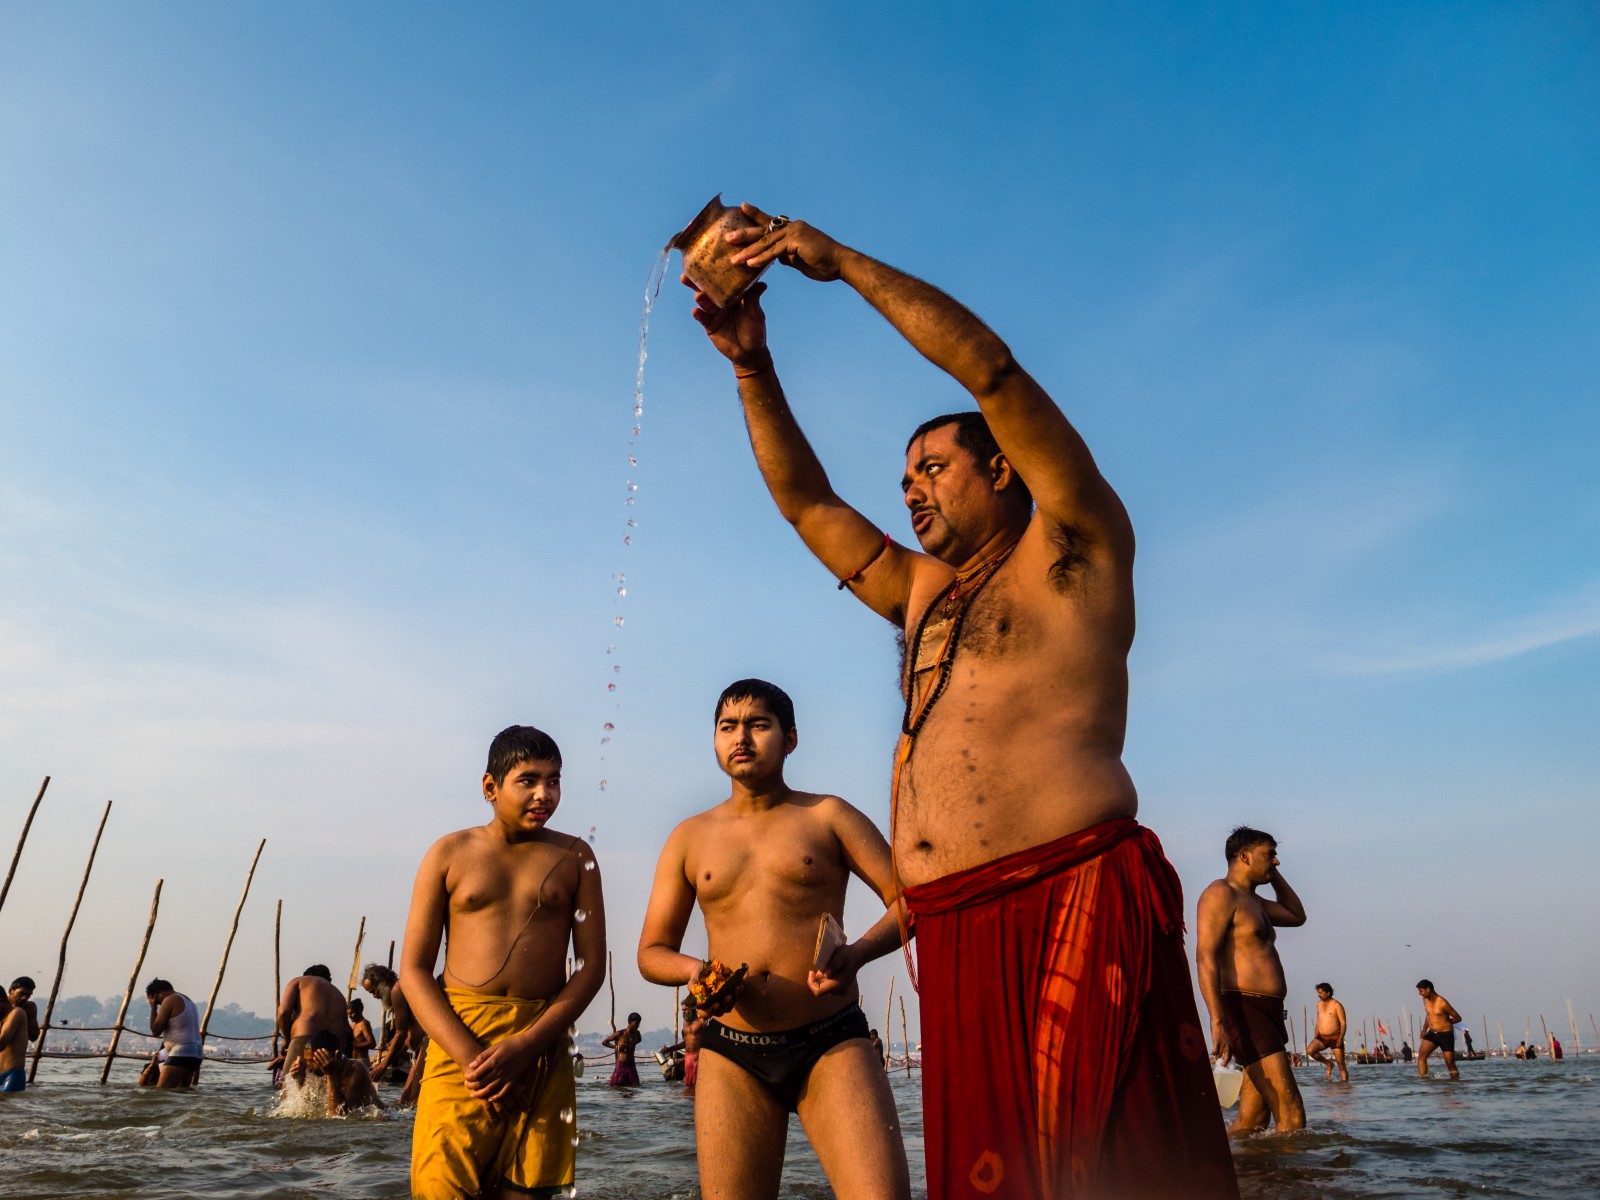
point(766, 865)
point(1010, 794)
point(1439, 1022)
point(13, 1046)
point(311, 1016)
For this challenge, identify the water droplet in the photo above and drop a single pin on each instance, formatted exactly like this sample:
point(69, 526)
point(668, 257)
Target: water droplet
point(632, 486)
point(611, 649)
point(617, 667)
point(574, 1142)
point(638, 410)
point(632, 524)
point(567, 1115)
point(630, 500)
point(632, 461)
point(636, 429)
point(626, 540)
point(579, 915)
point(611, 687)
point(589, 866)
point(608, 727)
point(604, 740)
point(616, 620)
point(573, 1032)
point(622, 591)
point(602, 785)
point(577, 964)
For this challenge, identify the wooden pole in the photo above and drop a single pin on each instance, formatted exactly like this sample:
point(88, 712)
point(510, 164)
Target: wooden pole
point(361, 935)
point(1577, 1042)
point(677, 1011)
point(138, 964)
point(277, 974)
point(905, 1035)
point(1546, 1029)
point(1594, 1027)
point(26, 825)
point(61, 966)
point(888, 1027)
point(1305, 1024)
point(211, 1001)
point(611, 980)
point(391, 954)
point(1486, 1042)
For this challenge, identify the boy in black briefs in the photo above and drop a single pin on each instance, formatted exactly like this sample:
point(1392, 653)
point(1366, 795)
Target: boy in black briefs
point(765, 866)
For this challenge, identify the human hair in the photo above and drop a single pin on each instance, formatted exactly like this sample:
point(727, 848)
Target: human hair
point(320, 971)
point(379, 972)
point(632, 1017)
point(23, 981)
point(1242, 838)
point(156, 986)
point(1425, 985)
point(1325, 987)
point(356, 1006)
point(770, 694)
point(973, 435)
point(519, 744)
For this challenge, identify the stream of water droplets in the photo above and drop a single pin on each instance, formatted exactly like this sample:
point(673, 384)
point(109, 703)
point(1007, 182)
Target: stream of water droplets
point(652, 290)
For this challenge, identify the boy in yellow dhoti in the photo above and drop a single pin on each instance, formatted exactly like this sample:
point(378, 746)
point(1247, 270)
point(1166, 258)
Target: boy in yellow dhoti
point(495, 1117)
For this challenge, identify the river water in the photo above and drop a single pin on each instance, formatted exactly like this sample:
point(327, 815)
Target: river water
point(1509, 1129)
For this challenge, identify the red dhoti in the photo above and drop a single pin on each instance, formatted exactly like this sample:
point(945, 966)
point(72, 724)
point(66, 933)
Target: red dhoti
point(1062, 1052)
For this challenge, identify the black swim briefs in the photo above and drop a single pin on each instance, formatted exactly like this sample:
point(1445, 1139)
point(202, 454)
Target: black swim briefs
point(1444, 1039)
point(1254, 1025)
point(782, 1061)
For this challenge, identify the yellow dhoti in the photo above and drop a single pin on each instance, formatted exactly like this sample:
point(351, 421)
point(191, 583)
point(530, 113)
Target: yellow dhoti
point(457, 1150)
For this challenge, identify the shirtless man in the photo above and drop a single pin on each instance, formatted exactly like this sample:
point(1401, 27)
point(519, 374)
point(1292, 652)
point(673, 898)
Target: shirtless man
point(13, 1046)
point(624, 1042)
point(765, 865)
point(21, 995)
point(407, 1038)
point(311, 1016)
point(1331, 1027)
point(1439, 1023)
point(175, 1019)
point(361, 1039)
point(1009, 784)
point(350, 1084)
point(1242, 979)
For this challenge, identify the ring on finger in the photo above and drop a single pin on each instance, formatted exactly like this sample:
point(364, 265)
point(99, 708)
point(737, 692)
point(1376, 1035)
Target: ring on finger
point(777, 223)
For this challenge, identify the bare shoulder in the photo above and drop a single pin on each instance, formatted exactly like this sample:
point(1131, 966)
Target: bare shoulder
point(452, 847)
point(567, 845)
point(1218, 896)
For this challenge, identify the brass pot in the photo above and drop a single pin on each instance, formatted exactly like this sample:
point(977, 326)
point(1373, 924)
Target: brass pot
point(707, 252)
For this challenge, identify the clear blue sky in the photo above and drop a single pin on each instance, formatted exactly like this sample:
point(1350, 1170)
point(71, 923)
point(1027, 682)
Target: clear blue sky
point(318, 330)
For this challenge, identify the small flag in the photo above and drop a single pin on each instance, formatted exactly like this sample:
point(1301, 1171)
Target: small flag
point(1382, 1030)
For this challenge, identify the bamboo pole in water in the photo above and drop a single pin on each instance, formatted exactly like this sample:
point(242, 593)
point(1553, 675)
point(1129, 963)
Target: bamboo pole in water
point(138, 964)
point(355, 964)
point(61, 966)
point(222, 967)
point(1595, 1027)
point(1486, 1042)
point(1501, 1031)
point(277, 974)
point(1577, 1042)
point(888, 1010)
point(905, 1035)
point(1546, 1029)
point(611, 980)
point(677, 1011)
point(26, 825)
point(1305, 1024)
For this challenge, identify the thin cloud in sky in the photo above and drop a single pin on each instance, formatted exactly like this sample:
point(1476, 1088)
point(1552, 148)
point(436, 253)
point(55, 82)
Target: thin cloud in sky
point(1511, 638)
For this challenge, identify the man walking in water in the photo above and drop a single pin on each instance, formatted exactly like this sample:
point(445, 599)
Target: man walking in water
point(1242, 979)
point(1010, 796)
point(1331, 1027)
point(176, 1021)
point(1439, 1023)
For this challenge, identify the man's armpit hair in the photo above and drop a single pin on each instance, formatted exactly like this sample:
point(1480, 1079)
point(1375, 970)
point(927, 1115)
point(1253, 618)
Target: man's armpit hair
point(1072, 554)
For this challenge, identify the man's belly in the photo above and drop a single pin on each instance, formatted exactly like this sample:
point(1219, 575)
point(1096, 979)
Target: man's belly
point(971, 793)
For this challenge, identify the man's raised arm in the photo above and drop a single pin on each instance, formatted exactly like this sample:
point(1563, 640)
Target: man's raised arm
point(858, 553)
point(1031, 429)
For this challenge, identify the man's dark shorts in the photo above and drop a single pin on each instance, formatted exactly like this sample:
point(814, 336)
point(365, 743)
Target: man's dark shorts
point(1254, 1025)
point(1444, 1039)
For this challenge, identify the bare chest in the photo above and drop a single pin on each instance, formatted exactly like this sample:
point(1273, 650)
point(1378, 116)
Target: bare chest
point(1250, 924)
point(515, 883)
point(785, 862)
